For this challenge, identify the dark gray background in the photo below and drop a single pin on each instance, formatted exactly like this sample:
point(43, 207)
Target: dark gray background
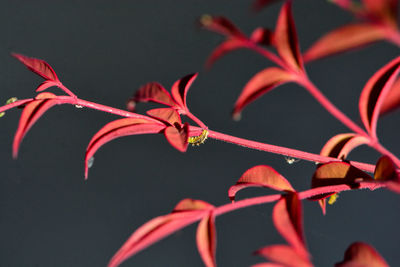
point(104, 51)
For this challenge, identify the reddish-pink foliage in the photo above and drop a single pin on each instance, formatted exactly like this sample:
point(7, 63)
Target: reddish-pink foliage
point(361, 254)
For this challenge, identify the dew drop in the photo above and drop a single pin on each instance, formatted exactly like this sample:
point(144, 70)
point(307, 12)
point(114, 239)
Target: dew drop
point(90, 162)
point(291, 160)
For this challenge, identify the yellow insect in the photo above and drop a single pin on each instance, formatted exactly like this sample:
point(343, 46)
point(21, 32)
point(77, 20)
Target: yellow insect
point(198, 140)
point(333, 198)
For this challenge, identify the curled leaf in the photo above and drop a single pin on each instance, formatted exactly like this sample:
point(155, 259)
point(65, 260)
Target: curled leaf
point(287, 216)
point(386, 171)
point(341, 145)
point(285, 255)
point(120, 128)
point(153, 92)
point(31, 113)
point(46, 84)
point(178, 138)
point(189, 204)
point(343, 39)
point(375, 92)
point(392, 100)
point(286, 38)
point(361, 254)
point(37, 66)
point(180, 88)
point(260, 176)
point(262, 36)
point(206, 239)
point(221, 25)
point(261, 83)
point(167, 115)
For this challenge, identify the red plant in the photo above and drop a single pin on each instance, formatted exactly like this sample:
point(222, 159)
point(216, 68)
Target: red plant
point(334, 173)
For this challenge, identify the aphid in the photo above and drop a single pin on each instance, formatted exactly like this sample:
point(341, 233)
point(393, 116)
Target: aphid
point(198, 140)
point(9, 101)
point(333, 198)
point(291, 160)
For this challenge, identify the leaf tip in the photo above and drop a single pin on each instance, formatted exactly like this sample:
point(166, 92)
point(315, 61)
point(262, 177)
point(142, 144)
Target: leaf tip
point(236, 116)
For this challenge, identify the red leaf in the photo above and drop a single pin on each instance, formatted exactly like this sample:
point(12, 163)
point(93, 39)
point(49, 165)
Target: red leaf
point(189, 204)
point(221, 25)
point(288, 220)
point(262, 36)
point(154, 92)
point(286, 38)
point(336, 173)
point(268, 264)
point(120, 128)
point(362, 255)
point(206, 240)
point(385, 10)
point(167, 115)
point(341, 145)
point(392, 100)
point(46, 84)
point(223, 49)
point(284, 255)
point(375, 92)
point(38, 66)
point(180, 88)
point(260, 176)
point(386, 170)
point(344, 38)
point(153, 231)
point(261, 83)
point(31, 113)
point(178, 138)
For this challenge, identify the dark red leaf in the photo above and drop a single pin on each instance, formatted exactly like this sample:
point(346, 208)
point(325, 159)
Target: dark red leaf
point(385, 10)
point(374, 94)
point(153, 92)
point(268, 264)
point(31, 113)
point(224, 48)
point(392, 100)
point(38, 66)
point(286, 38)
point(178, 138)
point(189, 204)
point(221, 25)
point(261, 83)
point(120, 128)
point(260, 4)
point(206, 239)
point(386, 170)
point(260, 176)
point(153, 231)
point(343, 39)
point(287, 216)
point(284, 255)
point(341, 145)
point(180, 88)
point(362, 255)
point(168, 115)
point(262, 36)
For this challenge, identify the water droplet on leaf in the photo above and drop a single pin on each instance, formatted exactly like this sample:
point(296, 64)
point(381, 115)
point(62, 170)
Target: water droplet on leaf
point(291, 160)
point(90, 162)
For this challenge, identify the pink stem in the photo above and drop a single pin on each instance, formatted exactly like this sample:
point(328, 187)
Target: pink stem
point(195, 119)
point(283, 150)
point(15, 104)
point(66, 90)
point(331, 108)
point(380, 148)
point(267, 54)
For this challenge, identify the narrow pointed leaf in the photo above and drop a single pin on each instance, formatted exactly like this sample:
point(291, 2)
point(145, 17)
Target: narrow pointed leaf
point(37, 66)
point(206, 239)
point(46, 84)
point(362, 255)
point(261, 83)
point(341, 145)
point(120, 128)
point(221, 25)
point(284, 255)
point(189, 204)
point(153, 231)
point(31, 113)
point(178, 138)
point(153, 92)
point(260, 4)
point(287, 216)
point(180, 88)
point(385, 10)
point(392, 100)
point(168, 115)
point(375, 92)
point(223, 49)
point(260, 176)
point(262, 36)
point(343, 39)
point(286, 38)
